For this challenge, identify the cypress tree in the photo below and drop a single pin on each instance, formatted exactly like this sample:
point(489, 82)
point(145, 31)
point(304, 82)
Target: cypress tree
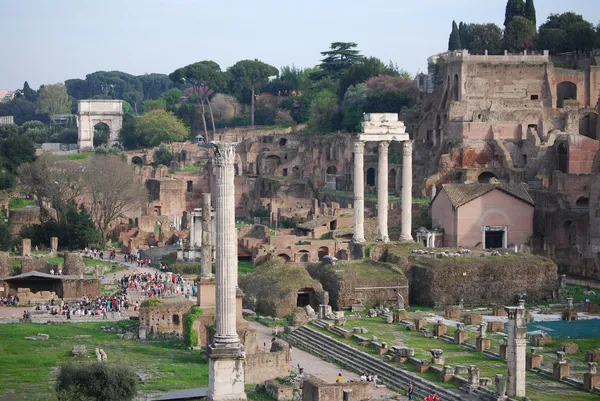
point(514, 8)
point(530, 11)
point(454, 41)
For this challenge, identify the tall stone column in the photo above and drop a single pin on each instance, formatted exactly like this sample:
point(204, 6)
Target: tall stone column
point(382, 193)
point(406, 191)
point(359, 191)
point(206, 254)
point(517, 343)
point(226, 364)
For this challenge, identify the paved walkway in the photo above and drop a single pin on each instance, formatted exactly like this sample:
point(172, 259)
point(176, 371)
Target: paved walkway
point(317, 367)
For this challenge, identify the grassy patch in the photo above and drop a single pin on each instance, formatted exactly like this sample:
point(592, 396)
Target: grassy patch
point(190, 168)
point(77, 156)
point(19, 203)
point(245, 266)
point(365, 269)
point(32, 363)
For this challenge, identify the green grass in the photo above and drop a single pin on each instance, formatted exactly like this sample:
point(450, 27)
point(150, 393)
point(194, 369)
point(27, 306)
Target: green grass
point(19, 203)
point(245, 266)
point(365, 269)
point(190, 168)
point(32, 363)
point(77, 156)
point(576, 292)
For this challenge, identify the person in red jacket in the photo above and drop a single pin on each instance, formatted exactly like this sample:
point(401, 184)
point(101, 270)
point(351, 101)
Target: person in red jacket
point(435, 397)
point(428, 398)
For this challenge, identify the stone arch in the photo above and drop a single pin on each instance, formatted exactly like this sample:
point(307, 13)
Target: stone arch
point(392, 179)
point(583, 202)
point(101, 134)
point(371, 177)
point(303, 256)
point(588, 124)
point(282, 142)
point(286, 258)
point(137, 161)
point(323, 251)
point(486, 177)
point(331, 170)
point(565, 90)
point(563, 158)
point(271, 164)
point(458, 177)
point(91, 113)
point(455, 88)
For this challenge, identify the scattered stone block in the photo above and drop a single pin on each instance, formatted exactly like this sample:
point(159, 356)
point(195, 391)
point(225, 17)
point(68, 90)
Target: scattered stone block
point(460, 335)
point(400, 314)
point(357, 308)
point(79, 350)
point(534, 360)
point(437, 357)
point(593, 356)
point(485, 381)
point(569, 348)
point(439, 329)
point(420, 323)
point(591, 379)
point(447, 374)
point(473, 319)
point(31, 338)
point(500, 385)
point(570, 315)
point(499, 311)
point(452, 312)
point(461, 369)
point(422, 366)
point(401, 354)
point(560, 368)
point(539, 340)
point(42, 336)
point(482, 344)
point(590, 307)
point(495, 327)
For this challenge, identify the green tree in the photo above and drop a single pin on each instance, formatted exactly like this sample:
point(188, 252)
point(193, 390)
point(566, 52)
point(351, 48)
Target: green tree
point(29, 94)
point(353, 106)
point(53, 99)
point(486, 37)
point(16, 151)
point(362, 70)
point(566, 32)
point(159, 126)
point(95, 381)
point(5, 235)
point(7, 181)
point(324, 112)
point(163, 156)
point(247, 78)
point(530, 13)
point(127, 109)
point(158, 104)
point(172, 97)
point(520, 34)
point(337, 60)
point(465, 33)
point(9, 130)
point(454, 40)
point(514, 8)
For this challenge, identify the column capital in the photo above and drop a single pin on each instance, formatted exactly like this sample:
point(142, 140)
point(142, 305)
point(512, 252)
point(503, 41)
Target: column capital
point(384, 145)
point(359, 147)
point(224, 153)
point(407, 147)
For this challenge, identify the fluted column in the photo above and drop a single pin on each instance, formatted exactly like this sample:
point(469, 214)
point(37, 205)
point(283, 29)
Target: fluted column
point(359, 192)
point(226, 246)
point(206, 251)
point(382, 193)
point(406, 191)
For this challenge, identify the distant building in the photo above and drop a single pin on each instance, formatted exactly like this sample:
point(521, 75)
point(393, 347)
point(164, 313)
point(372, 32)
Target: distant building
point(6, 96)
point(7, 120)
point(483, 215)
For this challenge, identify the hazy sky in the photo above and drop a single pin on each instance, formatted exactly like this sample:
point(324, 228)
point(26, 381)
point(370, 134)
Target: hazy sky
point(48, 41)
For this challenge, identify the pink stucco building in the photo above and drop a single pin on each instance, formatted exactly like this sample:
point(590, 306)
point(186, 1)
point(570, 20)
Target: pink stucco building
point(483, 215)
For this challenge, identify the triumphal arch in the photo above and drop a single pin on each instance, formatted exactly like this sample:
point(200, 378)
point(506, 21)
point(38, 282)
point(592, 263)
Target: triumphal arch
point(93, 112)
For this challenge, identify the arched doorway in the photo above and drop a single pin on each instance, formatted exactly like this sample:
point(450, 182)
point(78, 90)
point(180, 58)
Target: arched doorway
point(323, 251)
point(455, 88)
point(583, 202)
point(101, 134)
point(392, 179)
point(331, 178)
point(137, 161)
point(458, 177)
point(563, 158)
point(371, 177)
point(284, 257)
point(303, 256)
point(588, 124)
point(487, 178)
point(282, 142)
point(564, 91)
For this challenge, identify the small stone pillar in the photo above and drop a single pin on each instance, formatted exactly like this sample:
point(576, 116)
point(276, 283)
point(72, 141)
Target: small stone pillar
point(206, 236)
point(570, 314)
point(517, 341)
point(447, 374)
point(473, 377)
point(400, 314)
point(437, 357)
point(439, 329)
point(347, 395)
point(500, 386)
point(482, 342)
point(53, 244)
point(569, 303)
point(534, 360)
point(382, 193)
point(324, 311)
point(503, 350)
point(452, 312)
point(142, 333)
point(561, 367)
point(461, 334)
point(359, 192)
point(420, 323)
point(406, 216)
point(591, 379)
point(25, 247)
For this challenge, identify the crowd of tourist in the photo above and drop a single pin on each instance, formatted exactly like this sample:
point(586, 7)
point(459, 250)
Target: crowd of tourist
point(96, 253)
point(12, 300)
point(101, 305)
point(158, 285)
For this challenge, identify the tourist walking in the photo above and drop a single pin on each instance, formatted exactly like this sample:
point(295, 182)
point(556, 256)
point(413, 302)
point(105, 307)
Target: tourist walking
point(375, 380)
point(410, 391)
point(339, 378)
point(435, 397)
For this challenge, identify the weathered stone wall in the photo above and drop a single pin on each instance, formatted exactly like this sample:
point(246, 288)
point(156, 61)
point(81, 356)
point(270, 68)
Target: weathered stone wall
point(481, 281)
point(166, 195)
point(318, 390)
point(164, 318)
point(21, 218)
point(74, 264)
point(77, 288)
point(34, 264)
point(5, 265)
point(267, 365)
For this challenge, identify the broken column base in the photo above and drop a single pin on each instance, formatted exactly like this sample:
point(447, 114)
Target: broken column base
point(226, 374)
point(460, 336)
point(591, 381)
point(534, 361)
point(482, 344)
point(560, 370)
point(503, 351)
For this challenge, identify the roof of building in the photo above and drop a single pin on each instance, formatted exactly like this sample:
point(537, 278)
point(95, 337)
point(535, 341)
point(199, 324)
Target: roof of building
point(181, 395)
point(314, 223)
point(34, 274)
point(460, 194)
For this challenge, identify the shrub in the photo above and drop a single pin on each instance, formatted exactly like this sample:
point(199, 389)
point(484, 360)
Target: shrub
point(185, 268)
point(95, 381)
point(152, 301)
point(190, 337)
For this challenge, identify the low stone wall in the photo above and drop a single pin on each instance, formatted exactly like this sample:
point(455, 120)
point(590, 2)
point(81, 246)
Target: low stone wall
point(267, 365)
point(75, 288)
point(481, 281)
point(318, 390)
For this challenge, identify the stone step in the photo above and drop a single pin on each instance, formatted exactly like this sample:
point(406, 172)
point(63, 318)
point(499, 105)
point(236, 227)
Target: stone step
point(328, 347)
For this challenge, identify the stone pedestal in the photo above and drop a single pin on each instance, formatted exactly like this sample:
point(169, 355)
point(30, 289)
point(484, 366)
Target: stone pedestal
point(53, 244)
point(452, 312)
point(591, 379)
point(226, 375)
point(570, 315)
point(142, 333)
point(503, 351)
point(495, 327)
point(482, 344)
point(406, 216)
point(421, 323)
point(461, 334)
point(447, 374)
point(560, 370)
point(422, 366)
point(439, 329)
point(400, 314)
point(437, 357)
point(359, 192)
point(590, 307)
point(206, 293)
point(473, 319)
point(382, 193)
point(500, 387)
point(25, 247)
point(534, 361)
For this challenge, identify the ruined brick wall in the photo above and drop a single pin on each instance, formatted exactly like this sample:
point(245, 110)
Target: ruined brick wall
point(318, 390)
point(168, 195)
point(164, 318)
point(582, 151)
point(21, 218)
point(267, 365)
point(76, 288)
point(481, 281)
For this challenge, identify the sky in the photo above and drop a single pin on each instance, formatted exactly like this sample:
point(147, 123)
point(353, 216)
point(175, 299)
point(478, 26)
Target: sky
point(50, 41)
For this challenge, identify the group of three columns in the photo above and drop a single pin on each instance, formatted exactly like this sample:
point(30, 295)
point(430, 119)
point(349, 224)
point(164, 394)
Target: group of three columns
point(382, 192)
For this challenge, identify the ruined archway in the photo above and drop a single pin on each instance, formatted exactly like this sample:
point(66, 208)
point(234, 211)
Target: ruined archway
point(487, 178)
point(101, 133)
point(583, 202)
point(138, 161)
point(303, 256)
point(323, 251)
point(284, 257)
point(455, 88)
point(588, 124)
point(565, 91)
point(270, 165)
point(331, 178)
point(563, 158)
point(371, 177)
point(392, 179)
point(91, 113)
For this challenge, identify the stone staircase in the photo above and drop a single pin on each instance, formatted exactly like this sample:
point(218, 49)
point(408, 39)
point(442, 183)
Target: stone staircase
point(328, 348)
